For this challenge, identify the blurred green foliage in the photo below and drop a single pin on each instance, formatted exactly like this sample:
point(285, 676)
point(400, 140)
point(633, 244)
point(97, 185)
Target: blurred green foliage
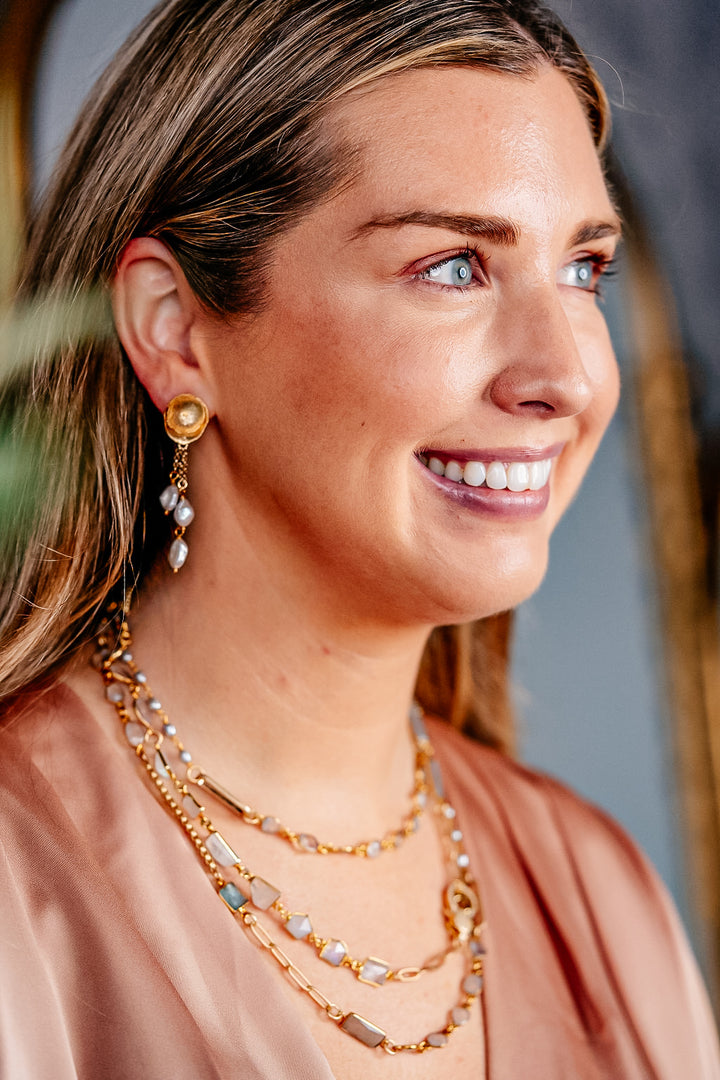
point(35, 331)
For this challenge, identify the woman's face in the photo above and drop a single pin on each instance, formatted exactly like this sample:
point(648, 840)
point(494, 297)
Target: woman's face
point(442, 308)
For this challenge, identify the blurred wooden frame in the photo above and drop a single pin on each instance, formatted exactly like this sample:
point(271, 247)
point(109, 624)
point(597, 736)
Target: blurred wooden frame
point(689, 615)
point(688, 607)
point(22, 28)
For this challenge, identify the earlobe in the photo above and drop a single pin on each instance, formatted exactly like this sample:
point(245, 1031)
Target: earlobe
point(154, 310)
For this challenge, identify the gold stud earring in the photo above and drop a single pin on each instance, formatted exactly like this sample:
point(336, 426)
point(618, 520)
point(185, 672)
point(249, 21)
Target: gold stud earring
point(186, 418)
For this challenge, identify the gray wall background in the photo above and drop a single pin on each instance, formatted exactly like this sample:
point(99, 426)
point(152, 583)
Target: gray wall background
point(588, 668)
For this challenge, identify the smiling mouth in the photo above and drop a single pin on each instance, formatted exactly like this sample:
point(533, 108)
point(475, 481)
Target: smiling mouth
point(495, 475)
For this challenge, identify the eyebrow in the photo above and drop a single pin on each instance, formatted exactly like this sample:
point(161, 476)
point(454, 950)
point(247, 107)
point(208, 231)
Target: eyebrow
point(595, 230)
point(498, 230)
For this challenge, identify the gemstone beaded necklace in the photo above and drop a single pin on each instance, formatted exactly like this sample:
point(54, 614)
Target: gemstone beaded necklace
point(181, 784)
point(306, 842)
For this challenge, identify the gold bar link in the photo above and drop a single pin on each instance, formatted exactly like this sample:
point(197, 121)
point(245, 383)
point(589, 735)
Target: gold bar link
point(221, 793)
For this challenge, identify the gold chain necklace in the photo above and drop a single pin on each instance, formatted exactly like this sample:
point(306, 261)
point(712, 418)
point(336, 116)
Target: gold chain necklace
point(306, 842)
point(151, 713)
point(127, 689)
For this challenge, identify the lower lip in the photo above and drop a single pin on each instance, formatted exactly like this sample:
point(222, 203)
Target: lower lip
point(483, 500)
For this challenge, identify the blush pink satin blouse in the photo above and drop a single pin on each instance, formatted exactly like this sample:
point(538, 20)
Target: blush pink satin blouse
point(117, 960)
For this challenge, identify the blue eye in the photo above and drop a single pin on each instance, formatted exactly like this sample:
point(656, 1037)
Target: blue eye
point(580, 274)
point(456, 271)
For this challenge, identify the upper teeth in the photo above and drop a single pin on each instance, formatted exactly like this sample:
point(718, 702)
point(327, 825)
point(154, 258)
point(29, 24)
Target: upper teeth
point(513, 475)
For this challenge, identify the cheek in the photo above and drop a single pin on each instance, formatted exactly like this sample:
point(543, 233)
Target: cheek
point(366, 366)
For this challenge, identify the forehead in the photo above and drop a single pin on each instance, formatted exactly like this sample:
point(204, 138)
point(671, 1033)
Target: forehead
point(473, 139)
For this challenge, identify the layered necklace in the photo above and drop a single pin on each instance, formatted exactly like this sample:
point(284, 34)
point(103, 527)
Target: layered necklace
point(183, 785)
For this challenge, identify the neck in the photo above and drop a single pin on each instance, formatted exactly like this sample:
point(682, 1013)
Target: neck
point(286, 706)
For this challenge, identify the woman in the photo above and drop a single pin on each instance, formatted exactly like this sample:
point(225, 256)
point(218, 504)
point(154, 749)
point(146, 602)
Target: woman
point(354, 253)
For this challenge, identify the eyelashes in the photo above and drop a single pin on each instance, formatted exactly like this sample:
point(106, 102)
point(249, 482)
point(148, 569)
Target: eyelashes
point(466, 269)
point(589, 270)
point(457, 272)
point(606, 267)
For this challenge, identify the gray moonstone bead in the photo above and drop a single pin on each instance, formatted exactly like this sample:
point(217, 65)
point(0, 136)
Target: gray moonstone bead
point(299, 926)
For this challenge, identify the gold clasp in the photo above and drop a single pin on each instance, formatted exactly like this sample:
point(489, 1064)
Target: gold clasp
point(461, 909)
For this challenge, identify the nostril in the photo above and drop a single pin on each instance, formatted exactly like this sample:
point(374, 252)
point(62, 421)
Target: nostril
point(537, 406)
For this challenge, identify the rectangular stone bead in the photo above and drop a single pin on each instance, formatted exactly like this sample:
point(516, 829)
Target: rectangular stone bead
point(161, 765)
point(362, 1030)
point(437, 779)
point(135, 733)
point(417, 722)
point(220, 850)
point(191, 806)
point(233, 897)
point(373, 971)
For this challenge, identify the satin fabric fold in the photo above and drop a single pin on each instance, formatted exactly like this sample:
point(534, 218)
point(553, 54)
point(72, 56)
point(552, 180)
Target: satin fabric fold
point(590, 974)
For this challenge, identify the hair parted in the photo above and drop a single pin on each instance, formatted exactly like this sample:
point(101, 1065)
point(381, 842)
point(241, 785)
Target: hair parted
point(206, 131)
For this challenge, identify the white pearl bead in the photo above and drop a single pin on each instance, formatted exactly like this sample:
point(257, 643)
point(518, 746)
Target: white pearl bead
point(184, 512)
point(169, 498)
point(178, 553)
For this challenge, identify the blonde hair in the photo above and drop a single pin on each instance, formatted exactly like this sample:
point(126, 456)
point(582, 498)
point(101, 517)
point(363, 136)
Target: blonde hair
point(206, 132)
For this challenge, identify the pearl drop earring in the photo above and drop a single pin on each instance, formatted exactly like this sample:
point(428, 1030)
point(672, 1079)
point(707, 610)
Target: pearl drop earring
point(186, 418)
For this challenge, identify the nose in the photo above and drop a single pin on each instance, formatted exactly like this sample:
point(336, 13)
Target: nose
point(543, 374)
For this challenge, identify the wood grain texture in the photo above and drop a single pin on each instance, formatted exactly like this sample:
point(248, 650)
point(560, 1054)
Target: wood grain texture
point(22, 27)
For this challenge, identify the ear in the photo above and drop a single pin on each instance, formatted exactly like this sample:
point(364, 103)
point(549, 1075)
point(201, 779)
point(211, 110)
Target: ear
point(155, 310)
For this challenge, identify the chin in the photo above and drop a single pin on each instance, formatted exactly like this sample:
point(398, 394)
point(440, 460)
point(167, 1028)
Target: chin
point(469, 596)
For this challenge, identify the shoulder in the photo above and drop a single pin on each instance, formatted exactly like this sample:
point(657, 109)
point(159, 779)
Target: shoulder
point(26, 715)
point(83, 938)
point(55, 759)
point(46, 744)
point(44, 931)
point(532, 800)
point(41, 734)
